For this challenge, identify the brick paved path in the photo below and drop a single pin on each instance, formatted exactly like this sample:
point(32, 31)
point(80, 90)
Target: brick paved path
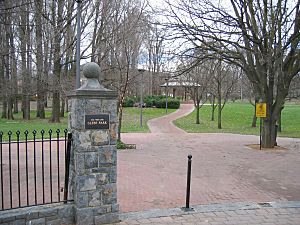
point(288, 213)
point(224, 169)
point(164, 124)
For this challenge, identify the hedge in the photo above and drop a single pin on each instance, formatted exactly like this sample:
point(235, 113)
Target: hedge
point(158, 101)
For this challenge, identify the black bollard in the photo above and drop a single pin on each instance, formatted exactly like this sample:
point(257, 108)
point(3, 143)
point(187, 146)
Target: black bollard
point(188, 183)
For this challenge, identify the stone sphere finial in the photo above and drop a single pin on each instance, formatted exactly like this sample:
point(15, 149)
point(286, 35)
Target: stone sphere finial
point(91, 70)
point(91, 85)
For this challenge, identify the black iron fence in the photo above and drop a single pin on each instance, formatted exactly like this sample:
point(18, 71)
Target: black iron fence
point(35, 171)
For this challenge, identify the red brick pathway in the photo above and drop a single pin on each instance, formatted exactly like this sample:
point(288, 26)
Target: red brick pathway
point(224, 169)
point(164, 124)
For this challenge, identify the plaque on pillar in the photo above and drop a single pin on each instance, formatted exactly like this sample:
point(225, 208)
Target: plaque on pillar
point(99, 122)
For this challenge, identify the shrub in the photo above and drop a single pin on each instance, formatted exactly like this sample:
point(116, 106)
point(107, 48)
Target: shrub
point(158, 101)
point(122, 145)
point(173, 103)
point(128, 102)
point(150, 101)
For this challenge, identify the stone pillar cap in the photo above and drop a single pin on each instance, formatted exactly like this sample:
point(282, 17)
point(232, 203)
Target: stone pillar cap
point(92, 73)
point(91, 70)
point(92, 87)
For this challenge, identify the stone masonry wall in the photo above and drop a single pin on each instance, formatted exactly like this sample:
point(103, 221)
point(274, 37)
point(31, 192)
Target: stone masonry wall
point(53, 214)
point(95, 160)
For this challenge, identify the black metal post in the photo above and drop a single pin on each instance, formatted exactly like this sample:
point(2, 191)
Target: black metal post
point(43, 165)
point(67, 167)
point(26, 152)
point(34, 166)
point(167, 79)
point(10, 181)
point(260, 129)
point(188, 183)
point(141, 101)
point(18, 156)
point(1, 165)
point(50, 166)
point(58, 175)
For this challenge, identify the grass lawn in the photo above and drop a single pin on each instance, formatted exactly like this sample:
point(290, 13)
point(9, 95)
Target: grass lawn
point(131, 122)
point(131, 118)
point(33, 124)
point(237, 118)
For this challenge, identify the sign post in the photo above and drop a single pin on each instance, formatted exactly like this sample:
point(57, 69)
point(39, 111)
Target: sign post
point(261, 112)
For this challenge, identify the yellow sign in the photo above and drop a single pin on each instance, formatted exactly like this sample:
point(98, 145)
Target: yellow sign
point(261, 109)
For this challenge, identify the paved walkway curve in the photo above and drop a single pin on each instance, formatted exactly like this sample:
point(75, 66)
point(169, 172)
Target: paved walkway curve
point(164, 124)
point(225, 169)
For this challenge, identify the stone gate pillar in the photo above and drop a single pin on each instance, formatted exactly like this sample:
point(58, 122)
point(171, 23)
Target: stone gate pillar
point(93, 123)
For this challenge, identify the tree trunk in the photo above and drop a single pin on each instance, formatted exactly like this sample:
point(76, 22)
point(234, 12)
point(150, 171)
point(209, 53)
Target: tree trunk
point(5, 53)
point(213, 109)
point(198, 114)
point(4, 109)
point(67, 105)
point(269, 130)
point(3, 96)
point(279, 128)
point(13, 70)
point(10, 108)
point(8, 67)
point(254, 120)
point(62, 110)
point(24, 69)
point(40, 112)
point(219, 91)
point(25, 107)
point(16, 104)
point(55, 107)
point(196, 99)
point(57, 67)
point(268, 133)
point(120, 114)
point(46, 63)
point(219, 113)
point(2, 88)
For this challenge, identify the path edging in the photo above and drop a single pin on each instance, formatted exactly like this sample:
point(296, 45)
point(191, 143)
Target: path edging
point(155, 213)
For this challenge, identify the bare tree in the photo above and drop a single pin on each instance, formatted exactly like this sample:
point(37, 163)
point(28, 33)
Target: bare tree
point(57, 20)
point(294, 91)
point(127, 59)
point(2, 61)
point(156, 48)
point(261, 37)
point(63, 51)
point(38, 41)
point(24, 48)
point(224, 79)
point(198, 76)
point(116, 43)
point(39, 58)
point(8, 59)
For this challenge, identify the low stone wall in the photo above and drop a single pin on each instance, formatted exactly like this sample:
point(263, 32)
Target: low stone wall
point(52, 214)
